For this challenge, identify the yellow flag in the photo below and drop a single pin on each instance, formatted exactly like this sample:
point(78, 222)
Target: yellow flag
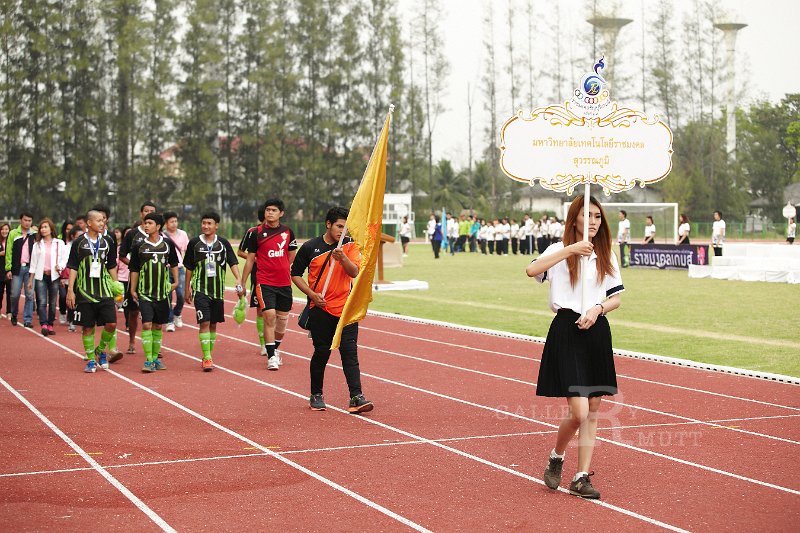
point(364, 224)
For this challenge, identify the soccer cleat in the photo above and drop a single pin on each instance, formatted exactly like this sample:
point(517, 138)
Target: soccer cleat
point(148, 367)
point(583, 487)
point(263, 350)
point(91, 367)
point(171, 326)
point(317, 402)
point(50, 330)
point(552, 474)
point(45, 331)
point(208, 365)
point(158, 365)
point(272, 363)
point(178, 322)
point(102, 357)
point(359, 404)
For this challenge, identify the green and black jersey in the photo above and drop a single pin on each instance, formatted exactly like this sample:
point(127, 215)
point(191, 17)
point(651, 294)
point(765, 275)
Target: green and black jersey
point(152, 260)
point(92, 284)
point(198, 254)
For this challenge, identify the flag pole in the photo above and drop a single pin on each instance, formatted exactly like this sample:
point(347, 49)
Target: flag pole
point(584, 259)
point(344, 231)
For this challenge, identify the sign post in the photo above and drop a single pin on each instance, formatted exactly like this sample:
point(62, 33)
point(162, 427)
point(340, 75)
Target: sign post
point(587, 140)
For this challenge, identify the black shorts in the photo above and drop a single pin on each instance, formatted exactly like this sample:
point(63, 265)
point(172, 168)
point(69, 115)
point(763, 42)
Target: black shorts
point(278, 298)
point(208, 310)
point(88, 314)
point(129, 304)
point(404, 240)
point(156, 312)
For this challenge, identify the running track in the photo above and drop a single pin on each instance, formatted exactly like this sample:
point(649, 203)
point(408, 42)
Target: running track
point(457, 441)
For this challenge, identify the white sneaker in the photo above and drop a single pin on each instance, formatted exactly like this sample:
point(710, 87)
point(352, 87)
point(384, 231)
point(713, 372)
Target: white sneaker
point(278, 355)
point(171, 327)
point(62, 319)
point(178, 322)
point(272, 363)
point(263, 350)
point(71, 327)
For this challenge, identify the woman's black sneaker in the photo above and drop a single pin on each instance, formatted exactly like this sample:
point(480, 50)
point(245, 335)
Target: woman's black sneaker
point(583, 487)
point(552, 474)
point(359, 404)
point(316, 402)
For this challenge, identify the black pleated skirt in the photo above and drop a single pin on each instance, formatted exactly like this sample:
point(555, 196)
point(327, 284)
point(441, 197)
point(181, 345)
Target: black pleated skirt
point(577, 362)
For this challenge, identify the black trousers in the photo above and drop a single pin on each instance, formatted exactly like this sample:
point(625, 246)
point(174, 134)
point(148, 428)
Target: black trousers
point(5, 287)
point(436, 245)
point(491, 246)
point(514, 245)
point(322, 326)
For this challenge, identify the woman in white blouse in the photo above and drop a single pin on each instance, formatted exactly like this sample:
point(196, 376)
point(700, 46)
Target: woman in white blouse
point(578, 362)
point(684, 229)
point(45, 270)
point(649, 231)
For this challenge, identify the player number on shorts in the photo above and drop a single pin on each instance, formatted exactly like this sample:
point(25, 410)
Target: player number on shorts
point(199, 315)
point(76, 316)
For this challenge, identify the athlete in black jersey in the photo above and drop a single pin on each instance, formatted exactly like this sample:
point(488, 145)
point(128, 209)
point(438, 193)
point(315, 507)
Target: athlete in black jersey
point(93, 266)
point(134, 236)
point(206, 259)
point(152, 262)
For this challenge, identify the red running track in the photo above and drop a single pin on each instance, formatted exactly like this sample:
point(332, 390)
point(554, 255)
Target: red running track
point(457, 441)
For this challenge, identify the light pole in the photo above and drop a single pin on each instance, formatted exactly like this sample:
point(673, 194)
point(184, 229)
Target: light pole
point(730, 30)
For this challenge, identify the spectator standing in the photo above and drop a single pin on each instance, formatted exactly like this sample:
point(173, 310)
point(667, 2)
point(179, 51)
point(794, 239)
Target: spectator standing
point(19, 246)
point(684, 229)
point(181, 240)
point(436, 237)
point(5, 285)
point(791, 230)
point(432, 221)
point(718, 233)
point(649, 231)
point(514, 229)
point(623, 237)
point(45, 272)
point(405, 235)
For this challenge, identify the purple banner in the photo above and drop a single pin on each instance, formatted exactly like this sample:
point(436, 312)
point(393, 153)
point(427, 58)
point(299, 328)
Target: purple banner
point(667, 255)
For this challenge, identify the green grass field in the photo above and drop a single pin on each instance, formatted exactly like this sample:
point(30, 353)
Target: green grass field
point(743, 324)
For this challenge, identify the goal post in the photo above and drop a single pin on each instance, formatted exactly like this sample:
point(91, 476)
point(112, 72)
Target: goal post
point(665, 218)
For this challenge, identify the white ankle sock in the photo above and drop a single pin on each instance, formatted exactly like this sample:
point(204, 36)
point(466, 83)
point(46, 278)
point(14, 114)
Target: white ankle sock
point(554, 454)
point(580, 475)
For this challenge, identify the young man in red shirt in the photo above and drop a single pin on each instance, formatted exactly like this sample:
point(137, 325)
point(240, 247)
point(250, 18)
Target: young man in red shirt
point(272, 249)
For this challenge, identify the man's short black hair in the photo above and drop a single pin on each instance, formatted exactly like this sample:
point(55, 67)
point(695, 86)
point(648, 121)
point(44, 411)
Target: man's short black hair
point(148, 204)
point(25, 214)
point(80, 217)
point(336, 213)
point(212, 215)
point(170, 214)
point(155, 217)
point(103, 209)
point(277, 202)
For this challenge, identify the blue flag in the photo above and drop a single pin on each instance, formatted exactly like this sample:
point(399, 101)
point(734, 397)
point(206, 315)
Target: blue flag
point(444, 229)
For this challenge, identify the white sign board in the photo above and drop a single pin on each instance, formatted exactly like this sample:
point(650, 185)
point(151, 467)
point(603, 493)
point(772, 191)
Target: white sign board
point(789, 211)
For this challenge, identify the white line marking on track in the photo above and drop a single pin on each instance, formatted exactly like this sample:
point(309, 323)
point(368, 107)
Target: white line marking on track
point(403, 520)
point(522, 417)
point(152, 515)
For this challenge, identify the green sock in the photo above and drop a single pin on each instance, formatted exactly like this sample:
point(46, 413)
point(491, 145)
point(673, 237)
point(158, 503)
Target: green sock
point(260, 329)
point(105, 339)
point(157, 335)
point(112, 344)
point(205, 344)
point(147, 344)
point(88, 346)
point(213, 339)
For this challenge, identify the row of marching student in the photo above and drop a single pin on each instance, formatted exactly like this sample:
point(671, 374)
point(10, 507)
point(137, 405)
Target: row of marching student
point(95, 267)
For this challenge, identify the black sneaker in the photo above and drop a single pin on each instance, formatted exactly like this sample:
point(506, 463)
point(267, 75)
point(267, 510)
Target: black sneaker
point(552, 474)
point(317, 402)
point(583, 487)
point(359, 404)
point(29, 324)
point(13, 321)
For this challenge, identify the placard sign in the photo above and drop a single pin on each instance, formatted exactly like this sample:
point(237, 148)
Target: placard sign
point(668, 256)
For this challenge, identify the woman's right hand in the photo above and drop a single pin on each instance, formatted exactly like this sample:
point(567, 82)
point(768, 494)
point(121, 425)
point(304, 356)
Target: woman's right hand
point(583, 248)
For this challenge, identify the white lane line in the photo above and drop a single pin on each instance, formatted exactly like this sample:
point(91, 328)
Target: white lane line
point(403, 520)
point(505, 354)
point(422, 439)
point(152, 515)
point(522, 417)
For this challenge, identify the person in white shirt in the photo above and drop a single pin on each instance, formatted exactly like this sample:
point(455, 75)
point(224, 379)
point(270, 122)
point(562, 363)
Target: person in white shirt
point(499, 235)
point(556, 231)
point(649, 231)
point(791, 230)
point(47, 255)
point(578, 361)
point(718, 233)
point(491, 235)
point(684, 229)
point(482, 236)
point(623, 237)
point(431, 228)
point(515, 238)
point(452, 233)
point(405, 235)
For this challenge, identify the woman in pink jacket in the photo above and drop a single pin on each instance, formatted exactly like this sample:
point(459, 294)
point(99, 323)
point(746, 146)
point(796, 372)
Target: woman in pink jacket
point(47, 253)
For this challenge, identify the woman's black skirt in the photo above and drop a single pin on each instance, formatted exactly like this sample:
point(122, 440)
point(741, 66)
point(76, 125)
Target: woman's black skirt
point(577, 362)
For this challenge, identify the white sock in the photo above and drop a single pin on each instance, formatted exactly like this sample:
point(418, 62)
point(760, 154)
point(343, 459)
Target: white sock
point(580, 475)
point(554, 454)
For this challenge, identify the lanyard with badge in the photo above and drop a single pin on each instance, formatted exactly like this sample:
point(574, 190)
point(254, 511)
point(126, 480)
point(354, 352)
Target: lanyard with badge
point(211, 266)
point(94, 269)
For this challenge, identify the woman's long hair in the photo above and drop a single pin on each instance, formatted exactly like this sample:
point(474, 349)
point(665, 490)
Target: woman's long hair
point(52, 229)
point(601, 241)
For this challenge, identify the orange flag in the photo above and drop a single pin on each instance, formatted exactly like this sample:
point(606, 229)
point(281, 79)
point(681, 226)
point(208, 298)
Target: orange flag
point(364, 224)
